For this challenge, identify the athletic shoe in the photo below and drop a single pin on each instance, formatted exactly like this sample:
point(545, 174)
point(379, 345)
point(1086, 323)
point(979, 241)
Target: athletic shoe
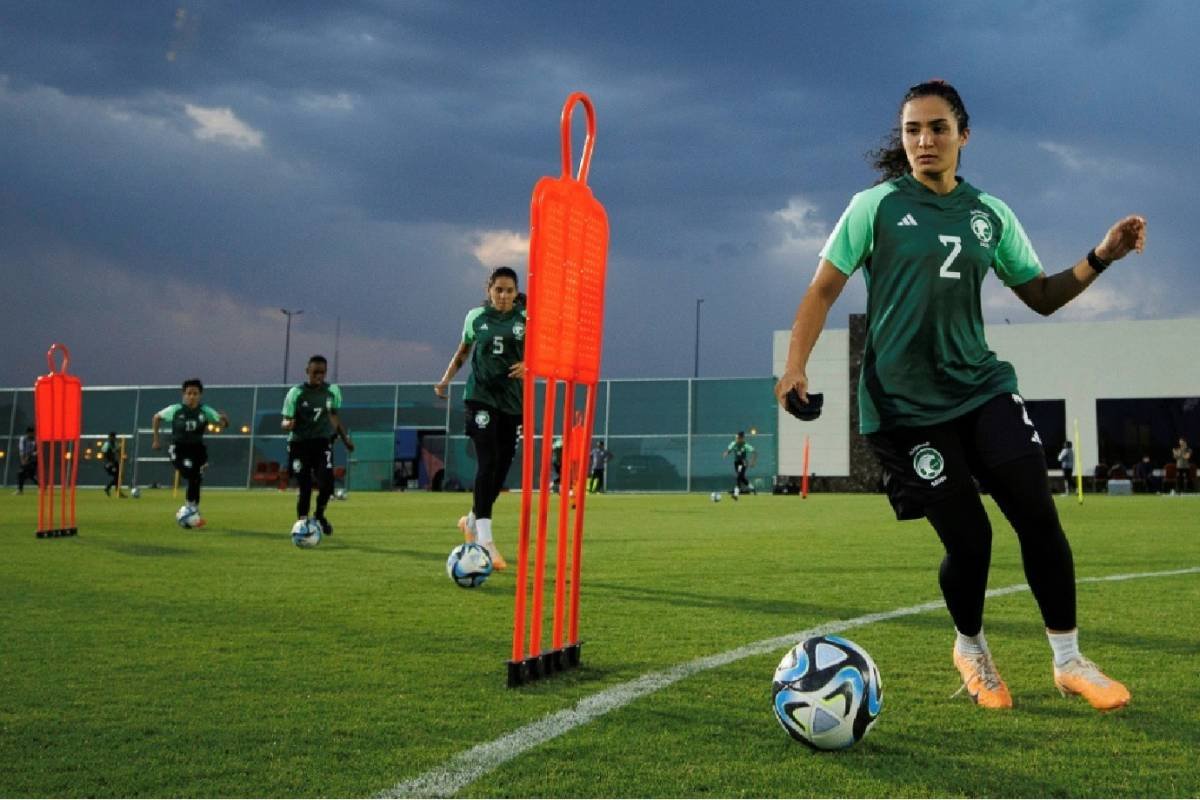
point(464, 525)
point(981, 680)
point(326, 526)
point(734, 494)
point(498, 562)
point(1082, 677)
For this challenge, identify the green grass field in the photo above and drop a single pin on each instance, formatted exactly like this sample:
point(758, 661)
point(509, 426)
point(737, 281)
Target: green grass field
point(142, 660)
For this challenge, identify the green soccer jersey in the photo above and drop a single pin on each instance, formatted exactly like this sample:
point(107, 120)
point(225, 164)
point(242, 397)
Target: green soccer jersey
point(924, 257)
point(741, 451)
point(310, 407)
point(499, 344)
point(188, 424)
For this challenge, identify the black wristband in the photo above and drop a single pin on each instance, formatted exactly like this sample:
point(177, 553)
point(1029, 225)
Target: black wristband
point(1096, 262)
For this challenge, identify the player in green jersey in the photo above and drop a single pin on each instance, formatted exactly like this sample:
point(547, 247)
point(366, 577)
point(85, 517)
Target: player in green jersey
point(744, 457)
point(310, 416)
point(110, 452)
point(939, 409)
point(494, 339)
point(188, 420)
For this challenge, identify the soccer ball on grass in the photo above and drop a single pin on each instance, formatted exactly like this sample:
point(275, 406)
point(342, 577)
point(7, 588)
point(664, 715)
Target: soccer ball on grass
point(187, 517)
point(469, 565)
point(827, 693)
point(306, 533)
point(715, 497)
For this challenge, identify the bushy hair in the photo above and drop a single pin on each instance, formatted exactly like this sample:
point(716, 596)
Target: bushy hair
point(890, 160)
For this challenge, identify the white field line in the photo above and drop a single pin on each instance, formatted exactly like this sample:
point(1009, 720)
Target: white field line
point(462, 769)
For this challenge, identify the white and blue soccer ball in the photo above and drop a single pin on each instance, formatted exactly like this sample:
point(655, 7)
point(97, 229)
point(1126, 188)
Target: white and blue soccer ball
point(307, 533)
point(469, 565)
point(715, 497)
point(827, 693)
point(187, 517)
point(135, 492)
point(339, 494)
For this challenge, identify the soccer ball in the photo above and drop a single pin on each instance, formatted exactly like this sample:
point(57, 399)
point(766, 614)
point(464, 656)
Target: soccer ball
point(135, 493)
point(827, 693)
point(469, 565)
point(339, 494)
point(306, 533)
point(187, 517)
point(715, 497)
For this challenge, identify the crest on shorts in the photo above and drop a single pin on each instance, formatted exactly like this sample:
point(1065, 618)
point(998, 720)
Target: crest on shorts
point(928, 463)
point(482, 418)
point(296, 464)
point(981, 226)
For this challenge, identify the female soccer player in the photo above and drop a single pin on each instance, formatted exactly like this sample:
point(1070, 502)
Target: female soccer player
point(494, 337)
point(188, 420)
point(935, 403)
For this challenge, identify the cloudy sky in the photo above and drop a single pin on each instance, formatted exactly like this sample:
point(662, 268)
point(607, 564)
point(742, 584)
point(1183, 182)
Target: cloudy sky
point(173, 174)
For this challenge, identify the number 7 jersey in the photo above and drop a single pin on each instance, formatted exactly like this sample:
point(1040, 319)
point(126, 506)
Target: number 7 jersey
point(309, 407)
point(924, 257)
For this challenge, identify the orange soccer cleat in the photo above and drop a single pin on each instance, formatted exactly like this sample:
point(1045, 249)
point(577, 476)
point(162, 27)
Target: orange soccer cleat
point(981, 680)
point(1082, 677)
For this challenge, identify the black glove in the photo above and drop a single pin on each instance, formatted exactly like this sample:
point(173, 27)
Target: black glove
point(801, 410)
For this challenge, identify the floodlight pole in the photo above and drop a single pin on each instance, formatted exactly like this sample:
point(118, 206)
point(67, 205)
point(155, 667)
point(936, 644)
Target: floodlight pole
point(287, 339)
point(696, 366)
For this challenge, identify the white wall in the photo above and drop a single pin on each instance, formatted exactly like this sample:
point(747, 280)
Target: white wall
point(829, 438)
point(1079, 362)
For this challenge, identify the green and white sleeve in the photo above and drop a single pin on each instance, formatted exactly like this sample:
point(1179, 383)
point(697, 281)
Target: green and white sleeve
point(853, 238)
point(168, 413)
point(289, 402)
point(1015, 261)
point(468, 335)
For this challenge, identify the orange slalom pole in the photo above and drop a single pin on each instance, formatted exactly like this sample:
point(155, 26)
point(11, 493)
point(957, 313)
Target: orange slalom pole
point(804, 482)
point(589, 417)
point(539, 553)
point(560, 565)
point(527, 424)
point(74, 479)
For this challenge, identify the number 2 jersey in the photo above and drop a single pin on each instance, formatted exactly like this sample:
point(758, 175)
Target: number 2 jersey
point(499, 340)
point(924, 257)
point(188, 424)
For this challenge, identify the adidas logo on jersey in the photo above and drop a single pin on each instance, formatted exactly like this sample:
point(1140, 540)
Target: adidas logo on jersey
point(907, 221)
point(483, 327)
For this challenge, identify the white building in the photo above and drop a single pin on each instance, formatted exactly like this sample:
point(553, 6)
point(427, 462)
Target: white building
point(1075, 362)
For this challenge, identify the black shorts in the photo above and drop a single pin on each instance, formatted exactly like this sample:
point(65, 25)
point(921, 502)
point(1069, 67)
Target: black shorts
point(187, 457)
point(310, 456)
point(923, 466)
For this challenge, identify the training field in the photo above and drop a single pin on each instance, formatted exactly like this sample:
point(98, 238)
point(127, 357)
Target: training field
point(142, 660)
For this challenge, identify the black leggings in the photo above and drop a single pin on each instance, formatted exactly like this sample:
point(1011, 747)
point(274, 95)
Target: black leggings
point(495, 445)
point(1022, 491)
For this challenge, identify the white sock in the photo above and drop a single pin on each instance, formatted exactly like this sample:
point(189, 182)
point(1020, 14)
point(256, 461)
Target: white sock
point(483, 528)
point(1064, 645)
point(971, 645)
point(471, 521)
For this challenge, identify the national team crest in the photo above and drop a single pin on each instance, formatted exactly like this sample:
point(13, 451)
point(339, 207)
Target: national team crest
point(518, 330)
point(482, 418)
point(928, 463)
point(981, 226)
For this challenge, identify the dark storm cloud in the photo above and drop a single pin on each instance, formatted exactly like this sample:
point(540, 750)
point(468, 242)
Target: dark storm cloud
point(347, 157)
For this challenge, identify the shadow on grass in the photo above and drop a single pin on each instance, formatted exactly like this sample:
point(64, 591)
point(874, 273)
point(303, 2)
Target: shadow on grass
point(151, 550)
